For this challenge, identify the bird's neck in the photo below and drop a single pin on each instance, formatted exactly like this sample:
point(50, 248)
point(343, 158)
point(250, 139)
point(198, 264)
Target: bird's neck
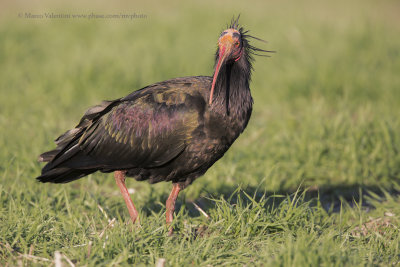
point(232, 91)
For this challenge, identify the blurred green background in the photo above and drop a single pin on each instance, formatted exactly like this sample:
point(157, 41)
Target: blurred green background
point(327, 104)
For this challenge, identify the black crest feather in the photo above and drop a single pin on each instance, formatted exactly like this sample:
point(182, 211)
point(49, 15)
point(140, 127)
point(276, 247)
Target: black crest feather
point(246, 36)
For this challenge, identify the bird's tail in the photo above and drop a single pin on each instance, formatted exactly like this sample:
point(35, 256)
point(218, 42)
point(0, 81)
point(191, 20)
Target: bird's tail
point(65, 163)
point(68, 162)
point(63, 175)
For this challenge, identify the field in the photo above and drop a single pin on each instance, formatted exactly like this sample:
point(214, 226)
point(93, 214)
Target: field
point(313, 181)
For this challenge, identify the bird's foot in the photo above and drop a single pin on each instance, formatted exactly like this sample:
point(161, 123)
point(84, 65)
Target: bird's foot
point(170, 230)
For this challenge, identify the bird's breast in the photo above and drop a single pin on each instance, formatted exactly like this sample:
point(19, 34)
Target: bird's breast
point(225, 128)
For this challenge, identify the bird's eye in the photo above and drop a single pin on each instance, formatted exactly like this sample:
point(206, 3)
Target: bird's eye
point(237, 44)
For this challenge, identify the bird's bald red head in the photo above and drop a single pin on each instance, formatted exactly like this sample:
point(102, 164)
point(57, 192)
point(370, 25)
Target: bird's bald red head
point(229, 48)
point(229, 37)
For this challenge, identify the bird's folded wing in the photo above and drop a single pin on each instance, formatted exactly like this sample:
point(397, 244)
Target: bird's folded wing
point(140, 133)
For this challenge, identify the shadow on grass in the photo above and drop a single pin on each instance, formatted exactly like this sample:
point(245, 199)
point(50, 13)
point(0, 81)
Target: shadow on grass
point(331, 198)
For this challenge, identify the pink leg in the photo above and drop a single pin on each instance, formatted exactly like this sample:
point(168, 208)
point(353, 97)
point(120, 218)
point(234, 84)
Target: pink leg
point(170, 205)
point(120, 179)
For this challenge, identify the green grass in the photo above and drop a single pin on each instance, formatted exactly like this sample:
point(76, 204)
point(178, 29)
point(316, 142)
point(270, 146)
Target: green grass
point(313, 181)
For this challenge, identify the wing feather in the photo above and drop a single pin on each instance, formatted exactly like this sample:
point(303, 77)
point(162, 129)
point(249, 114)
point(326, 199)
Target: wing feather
point(142, 133)
point(148, 128)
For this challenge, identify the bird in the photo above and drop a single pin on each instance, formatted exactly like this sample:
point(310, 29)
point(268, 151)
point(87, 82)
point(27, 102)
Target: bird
point(171, 131)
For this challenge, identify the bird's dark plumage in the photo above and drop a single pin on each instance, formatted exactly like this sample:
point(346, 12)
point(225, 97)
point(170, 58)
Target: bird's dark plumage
point(155, 133)
point(169, 131)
